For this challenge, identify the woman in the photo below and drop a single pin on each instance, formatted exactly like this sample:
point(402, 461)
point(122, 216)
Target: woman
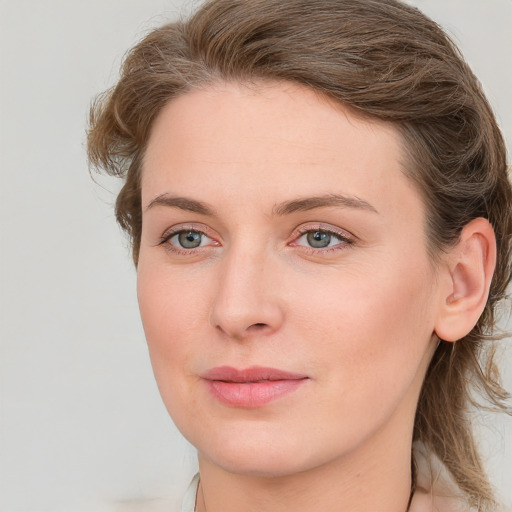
point(318, 202)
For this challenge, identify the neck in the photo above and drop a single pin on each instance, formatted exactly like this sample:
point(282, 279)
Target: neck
point(376, 476)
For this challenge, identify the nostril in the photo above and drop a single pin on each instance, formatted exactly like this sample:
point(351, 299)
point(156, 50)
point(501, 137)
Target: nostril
point(258, 326)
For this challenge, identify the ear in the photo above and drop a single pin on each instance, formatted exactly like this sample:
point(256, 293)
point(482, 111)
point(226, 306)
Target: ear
point(468, 271)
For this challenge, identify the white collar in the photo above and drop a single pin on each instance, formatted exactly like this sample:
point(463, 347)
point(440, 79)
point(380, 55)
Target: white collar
point(189, 500)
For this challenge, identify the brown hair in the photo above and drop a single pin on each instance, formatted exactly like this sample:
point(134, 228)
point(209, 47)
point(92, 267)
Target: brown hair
point(384, 60)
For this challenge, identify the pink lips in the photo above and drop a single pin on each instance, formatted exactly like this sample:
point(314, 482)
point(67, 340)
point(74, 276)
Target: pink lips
point(252, 387)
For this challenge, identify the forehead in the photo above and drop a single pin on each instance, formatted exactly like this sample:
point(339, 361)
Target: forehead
point(273, 139)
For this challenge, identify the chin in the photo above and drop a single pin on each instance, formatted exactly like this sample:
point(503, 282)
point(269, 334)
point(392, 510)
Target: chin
point(265, 464)
point(264, 454)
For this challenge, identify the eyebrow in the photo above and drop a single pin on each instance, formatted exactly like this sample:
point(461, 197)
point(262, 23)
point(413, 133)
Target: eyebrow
point(182, 203)
point(285, 208)
point(310, 203)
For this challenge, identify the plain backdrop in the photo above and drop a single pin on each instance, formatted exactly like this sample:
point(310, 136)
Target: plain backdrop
point(81, 423)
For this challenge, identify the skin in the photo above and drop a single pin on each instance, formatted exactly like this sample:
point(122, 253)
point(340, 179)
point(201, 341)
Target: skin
point(357, 317)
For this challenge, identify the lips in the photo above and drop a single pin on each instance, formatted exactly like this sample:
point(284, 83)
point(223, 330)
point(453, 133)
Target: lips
point(251, 387)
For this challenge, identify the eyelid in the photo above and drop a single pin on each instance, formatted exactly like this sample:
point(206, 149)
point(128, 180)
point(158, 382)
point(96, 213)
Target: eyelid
point(187, 226)
point(345, 237)
point(172, 231)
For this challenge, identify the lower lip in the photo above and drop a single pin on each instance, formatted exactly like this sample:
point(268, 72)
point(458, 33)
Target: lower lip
point(251, 395)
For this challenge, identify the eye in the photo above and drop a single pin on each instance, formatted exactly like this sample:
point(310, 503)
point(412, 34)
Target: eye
point(321, 239)
point(186, 240)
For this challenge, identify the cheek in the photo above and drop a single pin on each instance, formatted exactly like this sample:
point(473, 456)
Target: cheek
point(172, 321)
point(171, 303)
point(368, 293)
point(173, 313)
point(371, 324)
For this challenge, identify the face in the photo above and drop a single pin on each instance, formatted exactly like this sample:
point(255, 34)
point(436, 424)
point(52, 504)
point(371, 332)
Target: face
point(284, 284)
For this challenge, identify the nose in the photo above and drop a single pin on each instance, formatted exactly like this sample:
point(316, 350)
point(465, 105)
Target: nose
point(247, 303)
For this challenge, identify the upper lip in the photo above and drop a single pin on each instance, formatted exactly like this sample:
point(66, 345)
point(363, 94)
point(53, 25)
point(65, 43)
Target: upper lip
point(252, 374)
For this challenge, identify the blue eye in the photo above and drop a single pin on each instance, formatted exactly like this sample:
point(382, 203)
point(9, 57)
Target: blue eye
point(318, 239)
point(189, 239)
point(321, 239)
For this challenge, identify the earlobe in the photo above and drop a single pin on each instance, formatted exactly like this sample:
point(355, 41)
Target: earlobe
point(469, 270)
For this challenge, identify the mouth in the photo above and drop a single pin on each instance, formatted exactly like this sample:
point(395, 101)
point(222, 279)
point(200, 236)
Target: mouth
point(251, 387)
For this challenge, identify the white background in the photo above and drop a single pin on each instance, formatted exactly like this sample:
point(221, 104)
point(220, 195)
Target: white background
point(81, 423)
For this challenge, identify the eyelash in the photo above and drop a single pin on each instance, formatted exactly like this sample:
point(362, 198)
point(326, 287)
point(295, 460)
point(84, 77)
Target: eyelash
point(343, 237)
point(176, 249)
